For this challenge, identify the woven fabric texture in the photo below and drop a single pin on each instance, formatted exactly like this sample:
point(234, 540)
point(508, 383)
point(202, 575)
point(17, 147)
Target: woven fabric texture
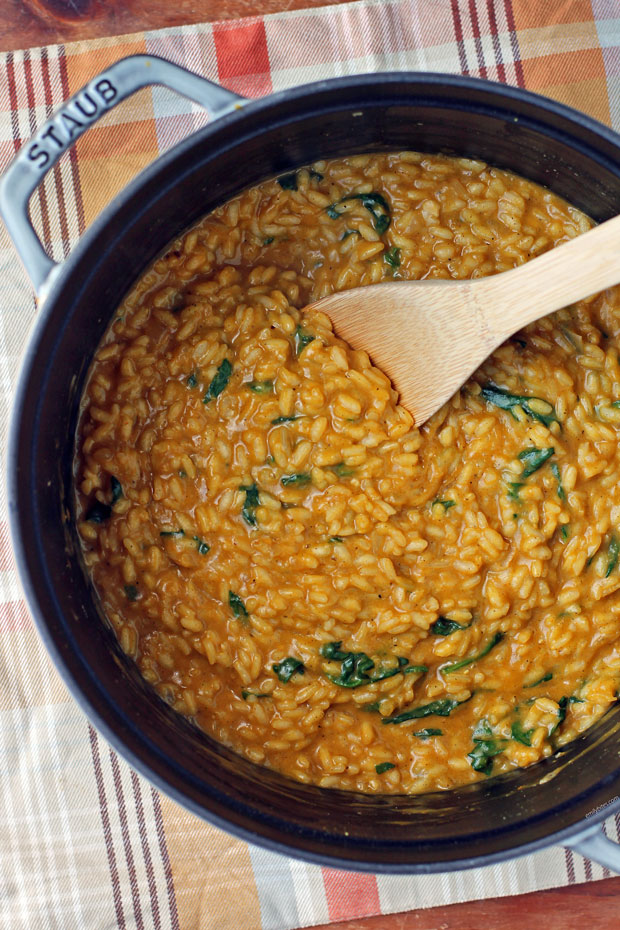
point(84, 841)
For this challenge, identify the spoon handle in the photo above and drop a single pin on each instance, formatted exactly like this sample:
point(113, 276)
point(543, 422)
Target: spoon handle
point(587, 264)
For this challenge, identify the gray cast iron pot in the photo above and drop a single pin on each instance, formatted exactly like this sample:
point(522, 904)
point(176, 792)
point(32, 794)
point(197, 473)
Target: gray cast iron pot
point(561, 800)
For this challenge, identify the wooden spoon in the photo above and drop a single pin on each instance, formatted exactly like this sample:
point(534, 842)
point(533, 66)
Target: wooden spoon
point(430, 336)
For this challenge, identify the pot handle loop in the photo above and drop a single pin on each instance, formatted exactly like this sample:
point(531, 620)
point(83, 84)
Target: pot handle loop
point(74, 117)
point(594, 844)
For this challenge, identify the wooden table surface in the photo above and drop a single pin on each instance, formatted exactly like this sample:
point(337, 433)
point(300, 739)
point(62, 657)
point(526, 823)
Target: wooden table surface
point(27, 23)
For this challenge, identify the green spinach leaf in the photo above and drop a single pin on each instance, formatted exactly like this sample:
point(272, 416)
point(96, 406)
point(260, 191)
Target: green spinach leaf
point(562, 707)
point(446, 504)
point(485, 747)
point(375, 203)
point(342, 470)
point(288, 182)
point(612, 556)
point(481, 756)
point(355, 666)
point(462, 663)
point(443, 627)
point(251, 503)
point(482, 730)
point(300, 478)
point(533, 459)
point(353, 669)
point(98, 512)
point(116, 488)
point(288, 667)
point(302, 339)
point(131, 592)
point(221, 379)
point(440, 708)
point(427, 733)
point(237, 606)
point(555, 471)
point(392, 257)
point(513, 490)
point(521, 735)
point(542, 410)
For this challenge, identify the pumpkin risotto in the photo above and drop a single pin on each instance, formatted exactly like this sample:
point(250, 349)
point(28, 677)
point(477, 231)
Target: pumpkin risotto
point(323, 587)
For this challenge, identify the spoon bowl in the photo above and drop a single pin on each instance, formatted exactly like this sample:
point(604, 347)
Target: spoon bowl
point(430, 336)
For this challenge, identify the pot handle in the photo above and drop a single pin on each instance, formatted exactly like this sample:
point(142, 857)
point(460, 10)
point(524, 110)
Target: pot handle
point(74, 117)
point(593, 844)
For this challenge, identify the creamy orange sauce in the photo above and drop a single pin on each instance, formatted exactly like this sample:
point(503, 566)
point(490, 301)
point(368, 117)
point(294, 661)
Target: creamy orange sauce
point(322, 586)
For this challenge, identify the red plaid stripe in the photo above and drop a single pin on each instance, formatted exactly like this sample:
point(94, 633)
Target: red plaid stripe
point(242, 57)
point(350, 894)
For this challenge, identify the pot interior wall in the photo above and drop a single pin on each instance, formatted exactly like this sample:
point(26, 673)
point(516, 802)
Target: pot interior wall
point(269, 137)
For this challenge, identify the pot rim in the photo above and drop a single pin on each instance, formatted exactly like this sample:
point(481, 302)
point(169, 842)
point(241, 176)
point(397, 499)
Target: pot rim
point(147, 762)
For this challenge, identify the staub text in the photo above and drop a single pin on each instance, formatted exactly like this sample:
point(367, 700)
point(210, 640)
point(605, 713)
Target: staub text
point(70, 122)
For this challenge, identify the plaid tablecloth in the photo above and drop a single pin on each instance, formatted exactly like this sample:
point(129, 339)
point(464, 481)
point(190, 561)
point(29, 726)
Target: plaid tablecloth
point(84, 841)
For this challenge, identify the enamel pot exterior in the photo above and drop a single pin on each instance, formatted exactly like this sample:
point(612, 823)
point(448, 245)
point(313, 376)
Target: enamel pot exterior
point(482, 823)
